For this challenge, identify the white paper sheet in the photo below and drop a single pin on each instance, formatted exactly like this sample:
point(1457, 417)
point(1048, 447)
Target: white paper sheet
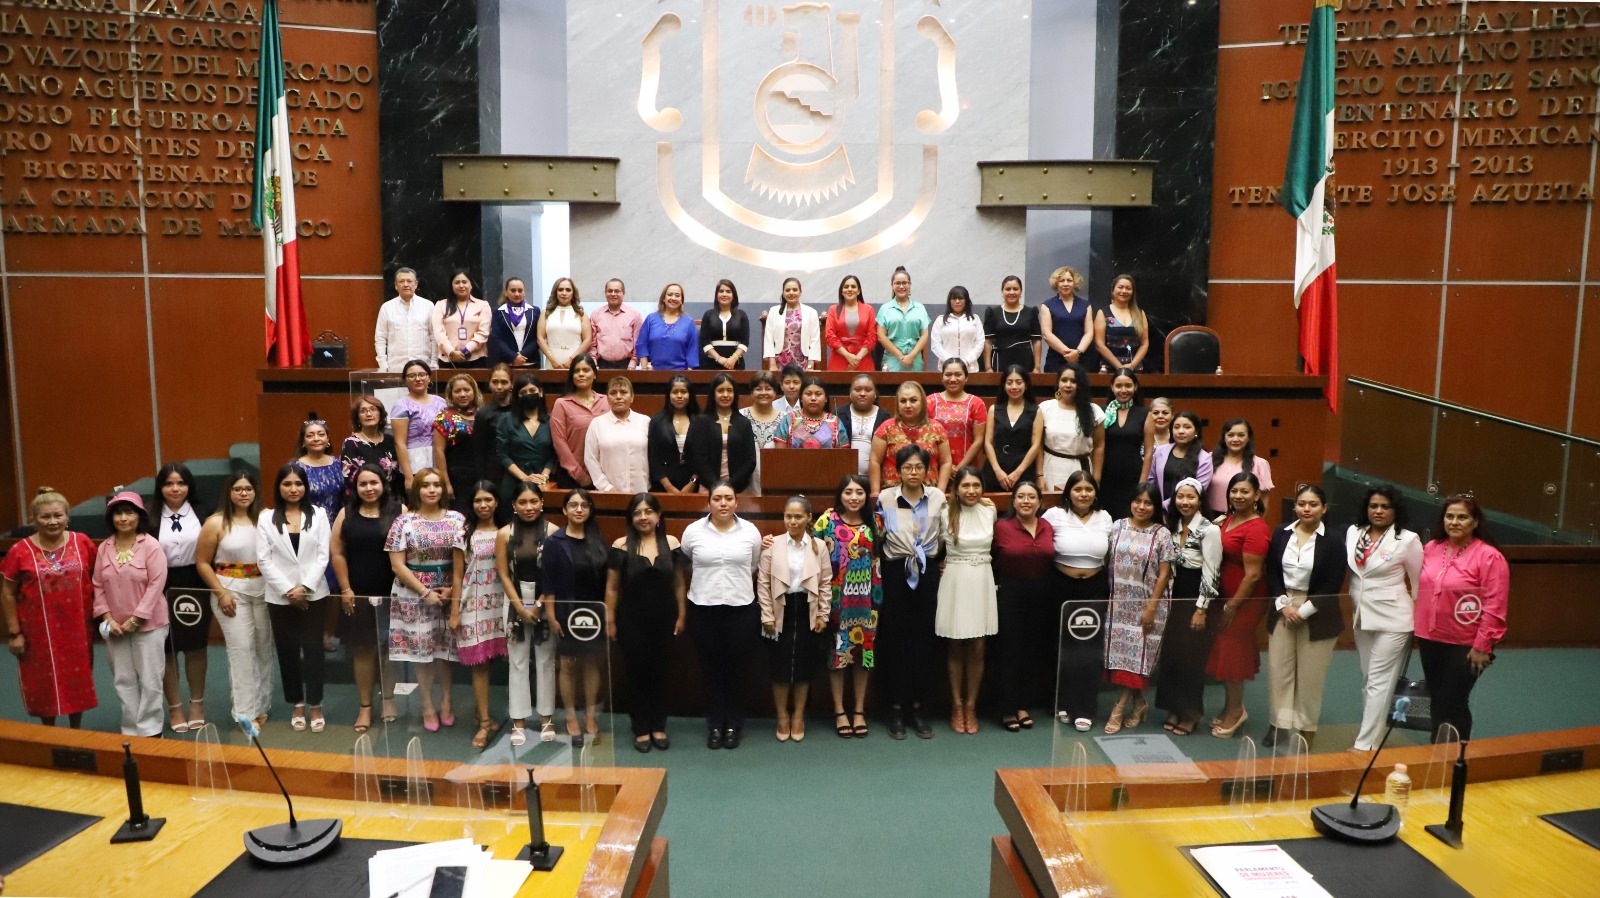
point(1257, 871)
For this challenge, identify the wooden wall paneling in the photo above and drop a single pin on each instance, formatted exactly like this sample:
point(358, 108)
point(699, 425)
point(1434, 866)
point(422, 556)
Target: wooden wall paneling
point(348, 307)
point(1508, 350)
point(1586, 387)
point(278, 419)
point(85, 413)
point(1255, 237)
point(1258, 327)
point(361, 16)
point(1552, 605)
point(1387, 333)
point(1258, 21)
point(208, 338)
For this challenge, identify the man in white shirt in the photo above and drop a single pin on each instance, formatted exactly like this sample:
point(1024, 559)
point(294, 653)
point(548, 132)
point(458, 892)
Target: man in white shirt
point(403, 332)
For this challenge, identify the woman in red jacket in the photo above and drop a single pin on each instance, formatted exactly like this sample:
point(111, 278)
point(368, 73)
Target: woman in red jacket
point(851, 329)
point(1461, 610)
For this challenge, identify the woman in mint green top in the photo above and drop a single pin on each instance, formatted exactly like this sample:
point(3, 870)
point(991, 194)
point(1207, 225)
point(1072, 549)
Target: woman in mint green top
point(902, 326)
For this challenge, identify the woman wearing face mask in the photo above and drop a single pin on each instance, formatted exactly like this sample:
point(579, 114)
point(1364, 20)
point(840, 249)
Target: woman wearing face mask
point(1234, 657)
point(48, 599)
point(292, 545)
point(461, 326)
point(177, 527)
point(523, 439)
point(792, 589)
point(967, 614)
point(1183, 458)
point(1082, 532)
point(1461, 610)
point(670, 468)
point(1305, 572)
point(1385, 561)
point(1181, 678)
point(129, 574)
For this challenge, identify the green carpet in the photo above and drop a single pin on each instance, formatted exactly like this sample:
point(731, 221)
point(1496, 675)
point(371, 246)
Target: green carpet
point(875, 816)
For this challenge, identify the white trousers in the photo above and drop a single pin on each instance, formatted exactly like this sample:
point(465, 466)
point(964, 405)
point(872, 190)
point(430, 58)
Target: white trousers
point(1382, 655)
point(248, 636)
point(138, 662)
point(518, 653)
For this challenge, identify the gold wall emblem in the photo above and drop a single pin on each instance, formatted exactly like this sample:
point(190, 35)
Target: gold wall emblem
point(799, 112)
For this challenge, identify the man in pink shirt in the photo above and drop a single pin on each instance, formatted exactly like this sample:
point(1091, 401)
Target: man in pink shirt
point(616, 329)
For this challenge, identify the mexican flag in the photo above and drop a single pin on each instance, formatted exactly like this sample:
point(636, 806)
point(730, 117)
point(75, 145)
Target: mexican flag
point(1306, 182)
point(272, 205)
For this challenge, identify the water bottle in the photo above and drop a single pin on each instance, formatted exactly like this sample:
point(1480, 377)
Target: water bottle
point(1397, 788)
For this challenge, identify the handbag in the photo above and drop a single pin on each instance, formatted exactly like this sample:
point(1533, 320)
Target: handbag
point(1411, 708)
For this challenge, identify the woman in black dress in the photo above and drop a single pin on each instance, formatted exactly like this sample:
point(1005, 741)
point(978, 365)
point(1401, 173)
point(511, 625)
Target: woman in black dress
point(1125, 444)
point(724, 331)
point(366, 578)
point(670, 470)
point(646, 607)
point(573, 590)
point(1012, 329)
point(1009, 440)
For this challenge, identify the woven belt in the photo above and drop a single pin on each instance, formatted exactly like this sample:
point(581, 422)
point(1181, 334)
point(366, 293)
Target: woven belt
point(430, 568)
point(236, 569)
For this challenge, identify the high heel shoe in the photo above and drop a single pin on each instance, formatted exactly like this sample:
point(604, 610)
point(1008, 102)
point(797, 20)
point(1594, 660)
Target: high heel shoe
point(196, 721)
point(1114, 722)
point(1140, 708)
point(177, 726)
point(1222, 732)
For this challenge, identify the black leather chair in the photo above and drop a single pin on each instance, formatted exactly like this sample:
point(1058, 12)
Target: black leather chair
point(1193, 349)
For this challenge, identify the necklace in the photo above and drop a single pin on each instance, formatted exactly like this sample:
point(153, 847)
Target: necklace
point(1010, 322)
point(124, 555)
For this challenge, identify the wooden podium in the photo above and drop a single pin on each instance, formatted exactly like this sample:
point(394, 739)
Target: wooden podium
point(813, 472)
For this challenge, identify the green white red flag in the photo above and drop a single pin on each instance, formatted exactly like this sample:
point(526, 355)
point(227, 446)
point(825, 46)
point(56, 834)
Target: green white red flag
point(1307, 183)
point(272, 205)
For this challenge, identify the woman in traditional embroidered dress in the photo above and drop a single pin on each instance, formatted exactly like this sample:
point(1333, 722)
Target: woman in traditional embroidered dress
point(1141, 560)
point(420, 545)
point(478, 605)
point(48, 599)
point(857, 594)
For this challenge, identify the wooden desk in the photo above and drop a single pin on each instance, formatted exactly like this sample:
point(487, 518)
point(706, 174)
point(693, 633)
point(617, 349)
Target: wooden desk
point(813, 472)
point(1509, 851)
point(618, 855)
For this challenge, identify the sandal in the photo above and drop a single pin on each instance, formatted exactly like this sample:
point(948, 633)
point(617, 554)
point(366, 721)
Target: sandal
point(1137, 717)
point(1182, 729)
point(1011, 724)
point(480, 739)
point(1114, 722)
point(364, 714)
point(547, 730)
point(958, 717)
point(519, 736)
point(859, 730)
point(1024, 719)
point(195, 722)
point(842, 729)
point(1083, 724)
point(972, 718)
point(318, 723)
point(390, 712)
point(173, 713)
point(298, 720)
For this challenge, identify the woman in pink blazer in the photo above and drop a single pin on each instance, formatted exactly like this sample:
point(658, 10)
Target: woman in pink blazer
point(794, 587)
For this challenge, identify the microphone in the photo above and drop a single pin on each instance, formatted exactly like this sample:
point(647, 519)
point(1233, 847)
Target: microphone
point(1369, 823)
point(1449, 832)
point(287, 843)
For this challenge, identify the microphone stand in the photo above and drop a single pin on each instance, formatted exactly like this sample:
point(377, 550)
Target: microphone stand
point(538, 851)
point(293, 842)
point(1363, 823)
point(1449, 832)
point(140, 827)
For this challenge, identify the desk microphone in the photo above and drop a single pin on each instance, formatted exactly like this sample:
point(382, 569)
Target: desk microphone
point(1370, 823)
point(141, 827)
point(287, 843)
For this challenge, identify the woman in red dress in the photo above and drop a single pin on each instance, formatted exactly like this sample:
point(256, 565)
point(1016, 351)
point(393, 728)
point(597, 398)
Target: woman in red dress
point(48, 602)
point(1234, 656)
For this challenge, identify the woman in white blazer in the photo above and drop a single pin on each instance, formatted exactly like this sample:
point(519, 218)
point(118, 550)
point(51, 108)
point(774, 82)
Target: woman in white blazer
point(292, 549)
point(1385, 560)
point(791, 333)
point(794, 587)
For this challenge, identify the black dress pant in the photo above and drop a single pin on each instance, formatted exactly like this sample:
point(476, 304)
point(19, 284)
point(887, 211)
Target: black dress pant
point(724, 638)
point(906, 644)
point(1450, 681)
point(1026, 610)
point(1181, 678)
point(1084, 604)
point(644, 635)
point(297, 632)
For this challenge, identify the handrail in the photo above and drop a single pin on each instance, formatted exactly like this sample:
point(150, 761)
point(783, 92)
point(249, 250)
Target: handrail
point(1440, 403)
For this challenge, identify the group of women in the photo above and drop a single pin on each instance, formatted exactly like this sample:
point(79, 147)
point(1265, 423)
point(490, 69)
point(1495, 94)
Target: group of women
point(901, 334)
